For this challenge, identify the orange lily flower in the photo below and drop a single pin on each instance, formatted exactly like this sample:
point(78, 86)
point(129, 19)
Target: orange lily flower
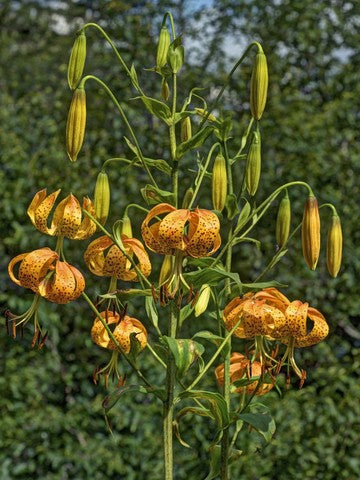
point(196, 233)
point(114, 262)
point(241, 367)
point(67, 219)
point(43, 272)
point(122, 331)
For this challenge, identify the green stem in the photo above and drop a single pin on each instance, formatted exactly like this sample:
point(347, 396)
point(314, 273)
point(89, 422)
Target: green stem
point(124, 117)
point(175, 163)
point(116, 51)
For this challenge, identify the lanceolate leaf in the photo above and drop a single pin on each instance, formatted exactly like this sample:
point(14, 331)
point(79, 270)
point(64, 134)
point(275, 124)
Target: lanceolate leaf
point(262, 422)
point(113, 397)
point(211, 276)
point(194, 142)
point(157, 108)
point(151, 311)
point(203, 412)
point(217, 405)
point(153, 195)
point(244, 215)
point(184, 351)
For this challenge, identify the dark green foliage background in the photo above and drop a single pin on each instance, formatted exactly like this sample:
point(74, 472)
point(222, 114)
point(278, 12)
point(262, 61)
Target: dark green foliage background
point(51, 423)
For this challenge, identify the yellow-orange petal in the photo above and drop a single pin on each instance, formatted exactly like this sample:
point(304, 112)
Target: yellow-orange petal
point(115, 263)
point(295, 320)
point(94, 254)
point(65, 285)
point(35, 266)
point(273, 297)
point(67, 217)
point(231, 316)
point(143, 264)
point(171, 230)
point(125, 328)
point(318, 332)
point(203, 238)
point(87, 226)
point(99, 334)
point(40, 208)
point(150, 233)
point(13, 262)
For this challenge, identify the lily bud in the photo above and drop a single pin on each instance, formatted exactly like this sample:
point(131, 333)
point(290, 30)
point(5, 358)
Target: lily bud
point(163, 47)
point(187, 198)
point(204, 114)
point(283, 221)
point(185, 131)
point(166, 270)
point(77, 60)
point(203, 300)
point(102, 197)
point(165, 92)
point(219, 183)
point(76, 122)
point(334, 246)
point(253, 164)
point(310, 232)
point(258, 86)
point(126, 228)
point(175, 56)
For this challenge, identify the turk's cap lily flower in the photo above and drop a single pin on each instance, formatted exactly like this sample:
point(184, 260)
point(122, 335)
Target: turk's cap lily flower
point(196, 233)
point(105, 259)
point(43, 272)
point(271, 314)
point(122, 332)
point(67, 218)
point(242, 368)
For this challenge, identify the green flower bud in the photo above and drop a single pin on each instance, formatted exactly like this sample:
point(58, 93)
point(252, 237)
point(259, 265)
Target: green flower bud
point(203, 300)
point(253, 164)
point(102, 197)
point(126, 228)
point(165, 92)
point(310, 232)
point(283, 221)
point(258, 86)
point(219, 183)
point(77, 60)
point(76, 122)
point(175, 57)
point(334, 246)
point(185, 129)
point(163, 47)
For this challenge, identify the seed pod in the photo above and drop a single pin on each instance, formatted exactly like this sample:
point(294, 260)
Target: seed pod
point(187, 198)
point(283, 221)
point(166, 270)
point(310, 232)
point(203, 300)
point(334, 246)
point(258, 86)
point(219, 183)
point(126, 228)
point(102, 197)
point(253, 164)
point(77, 60)
point(163, 47)
point(165, 92)
point(204, 114)
point(185, 130)
point(76, 122)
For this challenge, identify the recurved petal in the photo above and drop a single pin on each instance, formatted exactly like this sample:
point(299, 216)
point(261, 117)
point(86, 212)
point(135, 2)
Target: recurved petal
point(231, 316)
point(150, 233)
point(11, 266)
point(65, 285)
point(295, 320)
point(99, 334)
point(143, 264)
point(40, 208)
point(203, 238)
point(35, 266)
point(87, 226)
point(171, 230)
point(67, 217)
point(94, 254)
point(125, 328)
point(318, 332)
point(115, 262)
point(273, 297)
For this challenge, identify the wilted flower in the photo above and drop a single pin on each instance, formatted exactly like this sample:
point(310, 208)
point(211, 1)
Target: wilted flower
point(196, 233)
point(67, 219)
point(114, 263)
point(43, 272)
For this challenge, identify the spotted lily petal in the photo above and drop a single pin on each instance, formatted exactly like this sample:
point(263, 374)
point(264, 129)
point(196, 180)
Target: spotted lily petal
point(87, 226)
point(150, 234)
point(125, 328)
point(144, 264)
point(318, 332)
point(203, 236)
point(65, 285)
point(94, 254)
point(40, 208)
point(67, 217)
point(99, 334)
point(171, 230)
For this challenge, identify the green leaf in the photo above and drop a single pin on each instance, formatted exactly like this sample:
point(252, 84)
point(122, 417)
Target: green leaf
point(211, 276)
point(157, 108)
point(244, 215)
point(262, 285)
point(151, 311)
point(184, 351)
point(133, 75)
point(132, 147)
point(194, 142)
point(185, 312)
point(111, 400)
point(215, 339)
point(153, 195)
point(231, 206)
point(129, 293)
point(180, 115)
point(237, 240)
point(215, 462)
point(202, 412)
point(159, 164)
point(217, 405)
point(262, 422)
point(135, 347)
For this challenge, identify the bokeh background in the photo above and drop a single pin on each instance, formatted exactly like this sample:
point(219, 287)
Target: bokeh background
point(51, 422)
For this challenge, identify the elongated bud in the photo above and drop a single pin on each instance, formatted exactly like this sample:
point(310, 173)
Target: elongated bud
point(126, 228)
point(166, 270)
point(187, 198)
point(258, 86)
point(253, 164)
point(76, 122)
point(185, 131)
point(219, 183)
point(334, 246)
point(204, 114)
point(175, 56)
point(203, 300)
point(163, 47)
point(310, 232)
point(165, 92)
point(283, 221)
point(77, 60)
point(102, 197)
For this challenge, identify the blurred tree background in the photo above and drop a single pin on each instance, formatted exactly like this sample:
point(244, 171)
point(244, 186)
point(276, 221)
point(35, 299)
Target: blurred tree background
point(51, 417)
